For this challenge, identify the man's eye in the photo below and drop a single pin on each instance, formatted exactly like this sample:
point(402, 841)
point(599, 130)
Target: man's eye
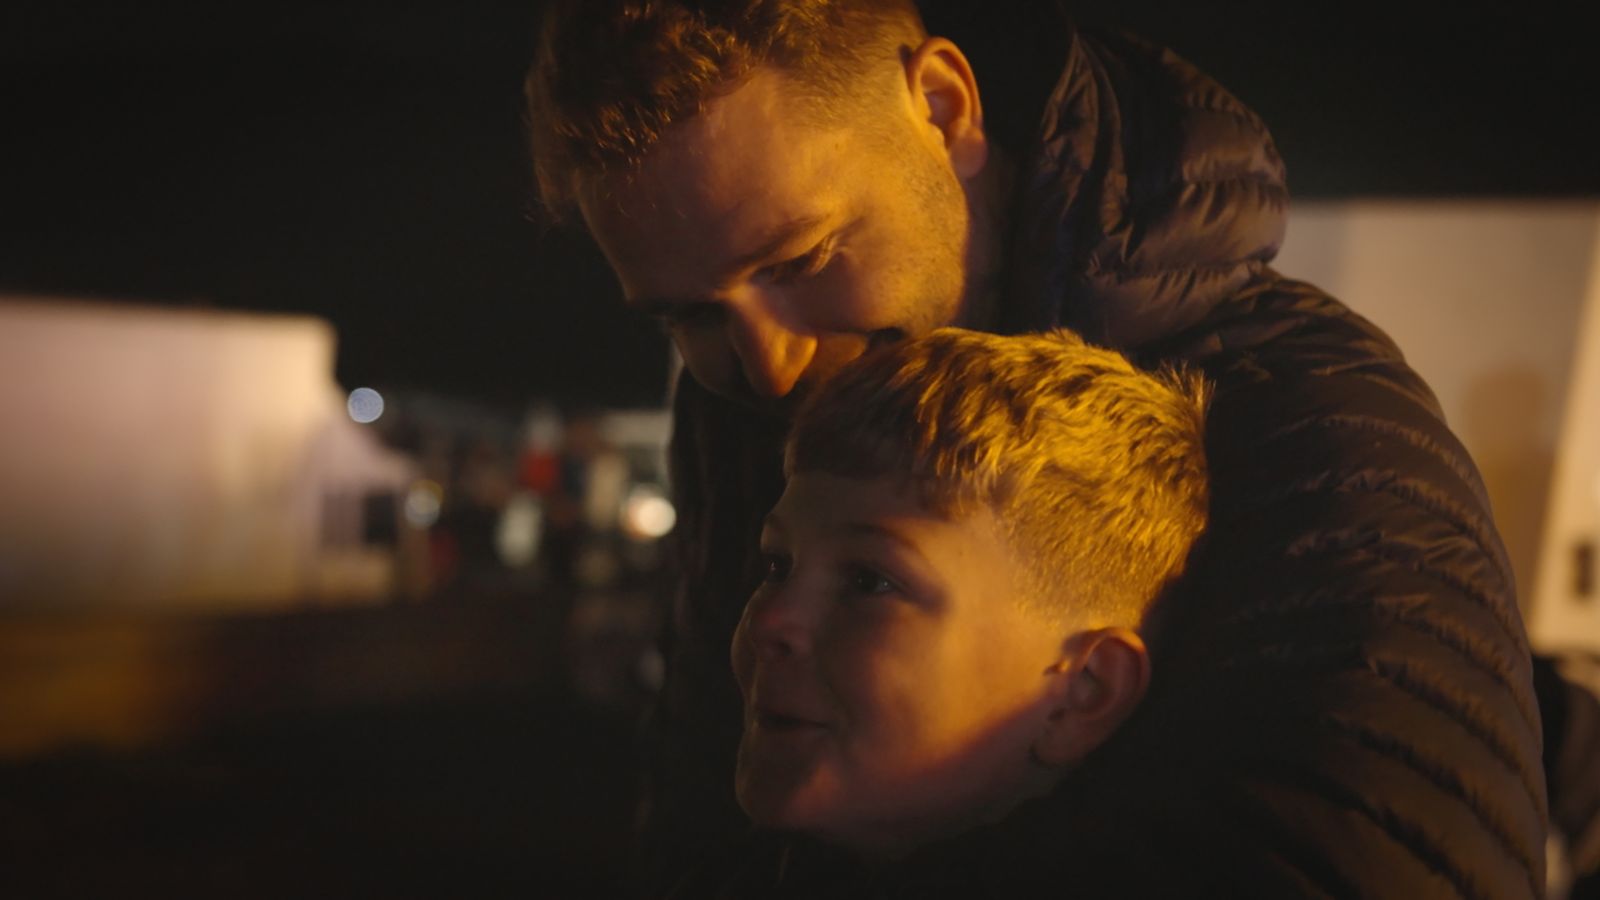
point(812, 262)
point(863, 580)
point(775, 568)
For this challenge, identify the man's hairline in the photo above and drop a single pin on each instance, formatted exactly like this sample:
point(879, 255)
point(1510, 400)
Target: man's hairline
point(808, 96)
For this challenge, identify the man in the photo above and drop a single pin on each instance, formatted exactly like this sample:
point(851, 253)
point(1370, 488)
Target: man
point(1346, 706)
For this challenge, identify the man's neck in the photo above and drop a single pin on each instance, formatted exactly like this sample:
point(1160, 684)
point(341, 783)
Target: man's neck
point(991, 228)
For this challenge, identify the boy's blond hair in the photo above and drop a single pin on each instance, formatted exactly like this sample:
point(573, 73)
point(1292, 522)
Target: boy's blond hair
point(1095, 469)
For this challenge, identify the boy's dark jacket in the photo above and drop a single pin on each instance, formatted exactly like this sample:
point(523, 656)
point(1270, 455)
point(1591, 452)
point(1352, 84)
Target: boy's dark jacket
point(1342, 700)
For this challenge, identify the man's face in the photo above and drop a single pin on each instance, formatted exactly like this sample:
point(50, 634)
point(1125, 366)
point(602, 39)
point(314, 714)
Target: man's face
point(774, 250)
point(892, 684)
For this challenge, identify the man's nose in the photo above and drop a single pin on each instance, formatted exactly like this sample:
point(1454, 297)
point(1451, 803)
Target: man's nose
point(772, 352)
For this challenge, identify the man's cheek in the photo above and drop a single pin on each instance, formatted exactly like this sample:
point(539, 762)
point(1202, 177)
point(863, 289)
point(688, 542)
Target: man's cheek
point(709, 361)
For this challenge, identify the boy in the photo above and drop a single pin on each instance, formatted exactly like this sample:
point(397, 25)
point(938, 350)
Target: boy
point(973, 534)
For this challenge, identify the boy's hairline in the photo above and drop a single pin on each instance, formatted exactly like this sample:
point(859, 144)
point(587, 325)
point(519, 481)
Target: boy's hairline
point(1024, 495)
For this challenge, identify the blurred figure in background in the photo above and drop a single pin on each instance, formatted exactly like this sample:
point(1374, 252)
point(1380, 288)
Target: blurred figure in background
point(471, 518)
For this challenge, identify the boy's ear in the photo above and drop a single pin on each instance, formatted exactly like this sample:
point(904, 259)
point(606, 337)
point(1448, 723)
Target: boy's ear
point(944, 97)
point(1099, 681)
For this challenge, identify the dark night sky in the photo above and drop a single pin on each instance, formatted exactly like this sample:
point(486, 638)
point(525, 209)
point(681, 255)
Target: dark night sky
point(362, 161)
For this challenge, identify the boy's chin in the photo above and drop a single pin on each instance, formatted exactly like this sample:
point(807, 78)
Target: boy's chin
point(811, 815)
point(779, 803)
point(769, 805)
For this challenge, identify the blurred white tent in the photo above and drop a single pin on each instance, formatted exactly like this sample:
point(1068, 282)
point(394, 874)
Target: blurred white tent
point(175, 458)
point(1567, 610)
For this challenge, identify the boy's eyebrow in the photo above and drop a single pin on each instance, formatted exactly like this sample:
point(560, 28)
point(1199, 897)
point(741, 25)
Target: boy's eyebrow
point(865, 528)
point(661, 306)
point(874, 529)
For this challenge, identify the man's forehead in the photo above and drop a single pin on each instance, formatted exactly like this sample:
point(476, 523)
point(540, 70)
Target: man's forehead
point(720, 184)
point(744, 152)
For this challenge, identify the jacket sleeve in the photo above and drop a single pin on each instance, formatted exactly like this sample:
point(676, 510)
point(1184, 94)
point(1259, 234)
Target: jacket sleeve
point(1342, 701)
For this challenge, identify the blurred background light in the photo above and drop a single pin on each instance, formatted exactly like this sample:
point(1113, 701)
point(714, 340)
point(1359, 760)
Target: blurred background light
point(365, 405)
point(423, 501)
point(648, 514)
point(519, 530)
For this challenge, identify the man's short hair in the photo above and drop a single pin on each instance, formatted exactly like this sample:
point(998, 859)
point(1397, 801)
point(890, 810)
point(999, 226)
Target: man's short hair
point(612, 76)
point(1095, 469)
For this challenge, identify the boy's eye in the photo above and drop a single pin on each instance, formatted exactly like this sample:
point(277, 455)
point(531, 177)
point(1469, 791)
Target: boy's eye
point(774, 567)
point(862, 580)
point(685, 315)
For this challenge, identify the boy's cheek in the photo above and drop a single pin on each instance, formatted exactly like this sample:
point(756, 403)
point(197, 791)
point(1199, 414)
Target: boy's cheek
point(741, 655)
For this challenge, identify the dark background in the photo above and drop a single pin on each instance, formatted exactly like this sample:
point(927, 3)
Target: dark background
point(363, 161)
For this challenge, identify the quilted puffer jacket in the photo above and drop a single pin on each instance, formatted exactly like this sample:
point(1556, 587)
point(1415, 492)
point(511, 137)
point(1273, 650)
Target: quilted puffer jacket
point(1342, 700)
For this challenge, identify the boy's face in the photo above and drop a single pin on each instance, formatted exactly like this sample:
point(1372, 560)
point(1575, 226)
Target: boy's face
point(893, 686)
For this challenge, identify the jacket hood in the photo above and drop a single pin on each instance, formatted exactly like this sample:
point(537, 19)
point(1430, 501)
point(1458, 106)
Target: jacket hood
point(1151, 195)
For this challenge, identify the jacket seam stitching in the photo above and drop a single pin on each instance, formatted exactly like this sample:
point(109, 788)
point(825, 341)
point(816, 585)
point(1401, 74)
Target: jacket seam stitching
point(1390, 747)
point(1404, 834)
point(1403, 611)
point(1380, 425)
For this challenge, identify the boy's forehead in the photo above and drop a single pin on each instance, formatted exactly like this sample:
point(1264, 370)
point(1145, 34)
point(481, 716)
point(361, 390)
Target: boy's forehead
point(816, 497)
point(845, 508)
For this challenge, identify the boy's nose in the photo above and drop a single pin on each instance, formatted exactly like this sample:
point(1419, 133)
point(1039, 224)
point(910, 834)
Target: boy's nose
point(776, 627)
point(772, 353)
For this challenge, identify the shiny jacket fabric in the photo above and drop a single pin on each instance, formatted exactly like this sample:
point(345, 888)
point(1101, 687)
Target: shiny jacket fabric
point(1342, 700)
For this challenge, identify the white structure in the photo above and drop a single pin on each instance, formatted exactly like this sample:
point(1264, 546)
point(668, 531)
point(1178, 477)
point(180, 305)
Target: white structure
point(179, 459)
point(1485, 298)
point(1567, 609)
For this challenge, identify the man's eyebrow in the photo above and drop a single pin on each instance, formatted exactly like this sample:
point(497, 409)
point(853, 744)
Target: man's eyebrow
point(779, 238)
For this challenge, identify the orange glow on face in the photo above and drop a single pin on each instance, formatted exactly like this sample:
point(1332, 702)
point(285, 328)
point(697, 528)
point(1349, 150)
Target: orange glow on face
point(893, 685)
point(774, 251)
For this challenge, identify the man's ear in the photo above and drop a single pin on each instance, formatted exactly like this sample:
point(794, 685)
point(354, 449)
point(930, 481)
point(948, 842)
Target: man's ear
point(1100, 680)
point(944, 96)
